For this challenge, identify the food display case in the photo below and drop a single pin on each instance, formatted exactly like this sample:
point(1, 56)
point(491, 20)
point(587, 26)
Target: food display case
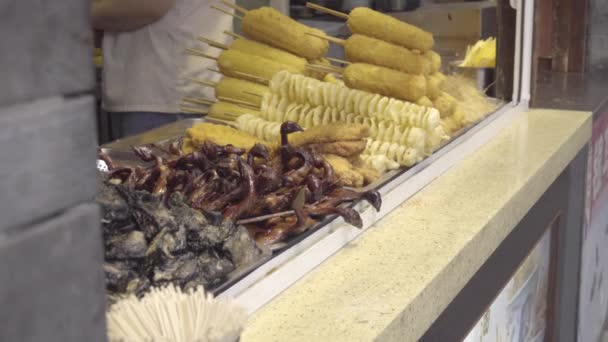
point(282, 264)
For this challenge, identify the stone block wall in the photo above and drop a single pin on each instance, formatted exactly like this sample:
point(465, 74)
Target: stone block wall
point(51, 278)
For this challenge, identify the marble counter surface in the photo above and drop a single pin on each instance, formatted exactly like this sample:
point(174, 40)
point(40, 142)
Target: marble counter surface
point(395, 280)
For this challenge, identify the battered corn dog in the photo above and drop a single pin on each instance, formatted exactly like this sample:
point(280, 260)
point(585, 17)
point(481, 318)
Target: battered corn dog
point(269, 26)
point(229, 111)
point(435, 59)
point(258, 49)
point(384, 81)
point(237, 64)
point(329, 78)
point(368, 22)
point(434, 84)
point(362, 49)
point(424, 101)
point(319, 75)
point(445, 104)
point(233, 88)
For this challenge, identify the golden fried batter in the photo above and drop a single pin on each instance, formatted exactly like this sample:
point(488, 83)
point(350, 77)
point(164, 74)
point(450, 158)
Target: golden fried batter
point(344, 170)
point(219, 134)
point(340, 148)
point(329, 133)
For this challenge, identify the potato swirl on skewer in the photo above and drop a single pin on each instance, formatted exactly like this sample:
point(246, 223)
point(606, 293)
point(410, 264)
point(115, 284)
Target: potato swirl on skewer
point(279, 109)
point(304, 90)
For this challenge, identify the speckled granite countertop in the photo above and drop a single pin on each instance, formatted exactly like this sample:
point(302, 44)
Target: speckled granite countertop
point(395, 280)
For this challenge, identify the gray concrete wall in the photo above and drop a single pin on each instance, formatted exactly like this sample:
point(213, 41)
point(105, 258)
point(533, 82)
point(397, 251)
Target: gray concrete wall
point(51, 279)
point(597, 41)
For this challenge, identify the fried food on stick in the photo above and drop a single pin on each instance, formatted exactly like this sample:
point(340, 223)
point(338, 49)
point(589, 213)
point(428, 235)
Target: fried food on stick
point(435, 59)
point(269, 26)
point(362, 49)
point(345, 171)
point(259, 49)
point(219, 134)
point(329, 133)
point(434, 84)
point(345, 148)
point(229, 111)
point(425, 101)
point(445, 104)
point(385, 81)
point(371, 23)
point(253, 68)
point(234, 88)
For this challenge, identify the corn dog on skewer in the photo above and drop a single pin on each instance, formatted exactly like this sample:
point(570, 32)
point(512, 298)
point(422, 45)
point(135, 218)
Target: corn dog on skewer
point(424, 101)
point(362, 49)
point(269, 26)
point(385, 81)
point(445, 104)
point(435, 83)
point(368, 22)
point(229, 111)
point(242, 65)
point(435, 59)
point(233, 88)
point(259, 49)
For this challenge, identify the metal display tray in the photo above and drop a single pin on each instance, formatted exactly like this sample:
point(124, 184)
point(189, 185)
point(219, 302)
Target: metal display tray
point(121, 151)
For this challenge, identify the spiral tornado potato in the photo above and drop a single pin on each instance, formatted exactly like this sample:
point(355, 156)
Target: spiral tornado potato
point(237, 64)
point(258, 127)
point(305, 90)
point(385, 81)
point(269, 26)
point(371, 23)
point(363, 49)
point(279, 109)
point(403, 155)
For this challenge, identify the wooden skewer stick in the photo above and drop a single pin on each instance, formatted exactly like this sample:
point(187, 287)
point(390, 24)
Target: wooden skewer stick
point(199, 53)
point(329, 38)
point(203, 82)
point(193, 110)
point(253, 94)
point(327, 10)
point(252, 77)
point(239, 102)
point(325, 68)
point(233, 35)
point(213, 43)
point(337, 60)
point(226, 12)
point(235, 7)
point(198, 101)
point(265, 217)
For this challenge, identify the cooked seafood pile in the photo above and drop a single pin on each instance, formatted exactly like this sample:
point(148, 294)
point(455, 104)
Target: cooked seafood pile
point(294, 185)
point(152, 240)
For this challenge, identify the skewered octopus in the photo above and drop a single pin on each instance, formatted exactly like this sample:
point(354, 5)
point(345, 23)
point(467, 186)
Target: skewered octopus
point(284, 194)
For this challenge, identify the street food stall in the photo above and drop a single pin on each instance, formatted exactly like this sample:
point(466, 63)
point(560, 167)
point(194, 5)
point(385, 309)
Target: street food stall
point(362, 173)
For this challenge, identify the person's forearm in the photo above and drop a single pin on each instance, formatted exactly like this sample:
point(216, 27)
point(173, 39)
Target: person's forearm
point(127, 15)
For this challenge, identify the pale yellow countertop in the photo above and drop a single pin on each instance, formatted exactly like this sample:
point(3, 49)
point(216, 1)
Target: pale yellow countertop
point(394, 281)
